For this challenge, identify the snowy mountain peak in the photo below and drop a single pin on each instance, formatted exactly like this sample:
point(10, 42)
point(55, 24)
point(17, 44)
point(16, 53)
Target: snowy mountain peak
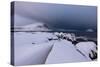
point(33, 27)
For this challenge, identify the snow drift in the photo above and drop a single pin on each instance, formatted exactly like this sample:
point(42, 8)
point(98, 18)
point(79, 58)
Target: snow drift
point(64, 52)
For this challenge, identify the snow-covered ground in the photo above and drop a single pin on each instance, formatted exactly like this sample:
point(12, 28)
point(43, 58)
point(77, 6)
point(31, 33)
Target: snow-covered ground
point(64, 52)
point(86, 47)
point(49, 47)
point(31, 48)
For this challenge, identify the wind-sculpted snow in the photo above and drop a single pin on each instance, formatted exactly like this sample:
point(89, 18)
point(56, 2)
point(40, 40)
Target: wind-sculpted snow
point(49, 47)
point(26, 53)
point(86, 47)
point(64, 51)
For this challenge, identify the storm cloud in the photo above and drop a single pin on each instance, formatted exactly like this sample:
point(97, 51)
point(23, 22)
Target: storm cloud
point(56, 16)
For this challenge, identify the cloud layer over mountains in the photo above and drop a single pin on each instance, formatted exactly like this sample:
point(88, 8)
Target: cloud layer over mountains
point(56, 16)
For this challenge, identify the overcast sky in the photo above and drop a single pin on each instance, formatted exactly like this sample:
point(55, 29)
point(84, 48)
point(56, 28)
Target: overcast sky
point(56, 16)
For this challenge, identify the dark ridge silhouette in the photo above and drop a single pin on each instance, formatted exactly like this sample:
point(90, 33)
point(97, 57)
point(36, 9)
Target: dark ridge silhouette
point(80, 40)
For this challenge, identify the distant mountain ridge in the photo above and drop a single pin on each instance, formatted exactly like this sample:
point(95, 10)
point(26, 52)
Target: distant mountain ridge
point(32, 27)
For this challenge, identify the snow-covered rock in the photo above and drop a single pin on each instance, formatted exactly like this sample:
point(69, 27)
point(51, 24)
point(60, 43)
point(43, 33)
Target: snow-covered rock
point(69, 36)
point(86, 47)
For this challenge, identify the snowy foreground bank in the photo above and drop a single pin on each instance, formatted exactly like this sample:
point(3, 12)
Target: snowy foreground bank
point(49, 48)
